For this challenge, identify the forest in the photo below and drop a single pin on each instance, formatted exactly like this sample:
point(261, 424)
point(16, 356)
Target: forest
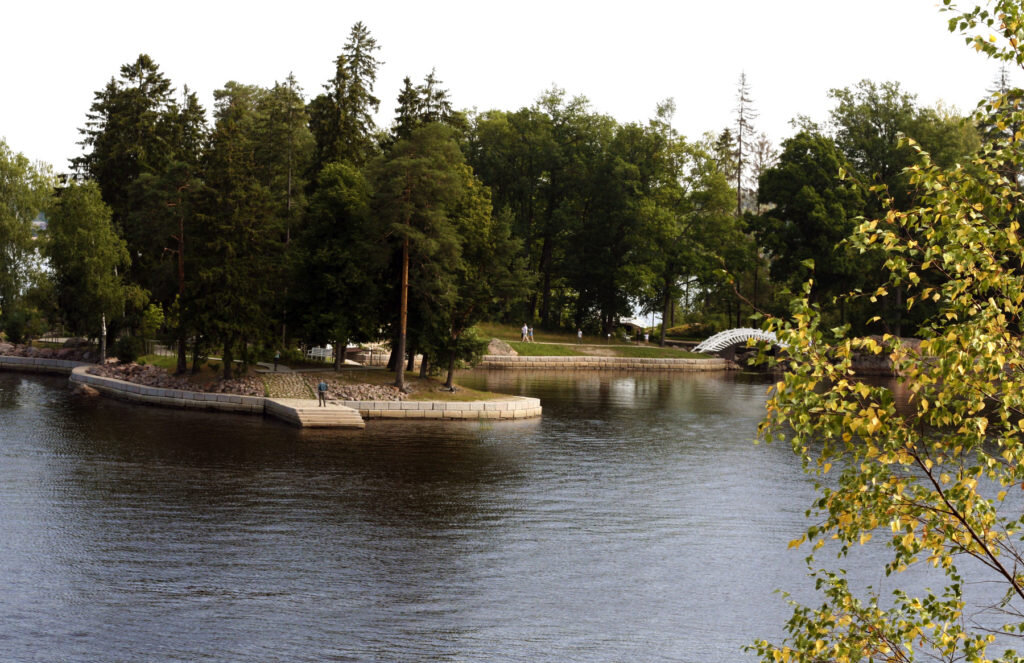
point(285, 220)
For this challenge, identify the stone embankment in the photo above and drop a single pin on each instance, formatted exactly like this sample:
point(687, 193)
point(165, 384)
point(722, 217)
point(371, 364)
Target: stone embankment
point(89, 376)
point(590, 363)
point(169, 397)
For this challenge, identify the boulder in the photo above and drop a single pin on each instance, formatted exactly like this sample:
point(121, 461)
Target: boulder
point(499, 347)
point(84, 390)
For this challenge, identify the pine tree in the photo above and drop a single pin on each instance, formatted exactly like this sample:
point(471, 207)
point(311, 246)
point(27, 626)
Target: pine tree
point(745, 116)
point(341, 118)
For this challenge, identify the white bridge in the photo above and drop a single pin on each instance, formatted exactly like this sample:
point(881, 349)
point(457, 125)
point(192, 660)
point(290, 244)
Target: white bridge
point(733, 337)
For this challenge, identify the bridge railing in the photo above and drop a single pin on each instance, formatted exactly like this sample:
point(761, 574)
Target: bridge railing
point(730, 337)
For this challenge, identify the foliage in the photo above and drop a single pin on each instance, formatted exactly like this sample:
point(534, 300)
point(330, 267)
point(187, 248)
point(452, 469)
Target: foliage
point(341, 118)
point(129, 348)
point(25, 189)
point(933, 476)
point(241, 260)
point(340, 258)
point(88, 260)
point(812, 211)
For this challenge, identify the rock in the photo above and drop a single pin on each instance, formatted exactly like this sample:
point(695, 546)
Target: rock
point(499, 347)
point(84, 390)
point(76, 342)
point(6, 348)
point(152, 376)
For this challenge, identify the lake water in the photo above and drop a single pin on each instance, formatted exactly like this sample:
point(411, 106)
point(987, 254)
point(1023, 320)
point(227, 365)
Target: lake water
point(635, 521)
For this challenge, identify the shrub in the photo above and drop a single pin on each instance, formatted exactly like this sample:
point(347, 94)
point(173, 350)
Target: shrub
point(128, 348)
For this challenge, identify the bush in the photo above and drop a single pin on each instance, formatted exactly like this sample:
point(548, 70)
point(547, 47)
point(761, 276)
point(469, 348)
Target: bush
point(128, 348)
point(689, 330)
point(23, 325)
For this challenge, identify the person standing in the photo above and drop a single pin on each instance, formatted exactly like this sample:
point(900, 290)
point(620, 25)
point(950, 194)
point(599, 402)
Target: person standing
point(277, 356)
point(321, 392)
point(579, 336)
point(526, 333)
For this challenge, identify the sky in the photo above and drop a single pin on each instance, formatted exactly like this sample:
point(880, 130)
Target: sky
point(624, 57)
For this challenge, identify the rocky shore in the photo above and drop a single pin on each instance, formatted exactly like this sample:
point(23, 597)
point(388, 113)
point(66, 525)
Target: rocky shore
point(151, 376)
point(357, 392)
point(68, 354)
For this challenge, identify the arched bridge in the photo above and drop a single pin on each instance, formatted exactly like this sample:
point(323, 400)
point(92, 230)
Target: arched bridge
point(730, 338)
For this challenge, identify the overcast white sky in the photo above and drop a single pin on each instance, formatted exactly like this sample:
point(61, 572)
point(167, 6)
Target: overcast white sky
point(624, 57)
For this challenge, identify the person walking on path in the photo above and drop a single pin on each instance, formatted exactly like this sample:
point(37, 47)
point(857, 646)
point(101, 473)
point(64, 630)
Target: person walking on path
point(579, 336)
point(277, 356)
point(526, 333)
point(531, 334)
point(321, 392)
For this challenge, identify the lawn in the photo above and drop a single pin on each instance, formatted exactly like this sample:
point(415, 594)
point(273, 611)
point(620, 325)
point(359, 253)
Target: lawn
point(540, 349)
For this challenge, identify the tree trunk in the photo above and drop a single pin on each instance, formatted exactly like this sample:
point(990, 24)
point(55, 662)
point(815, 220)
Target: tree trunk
point(103, 338)
point(411, 361)
point(195, 355)
point(399, 352)
point(451, 369)
point(182, 343)
point(339, 357)
point(228, 359)
point(424, 367)
point(666, 305)
point(182, 353)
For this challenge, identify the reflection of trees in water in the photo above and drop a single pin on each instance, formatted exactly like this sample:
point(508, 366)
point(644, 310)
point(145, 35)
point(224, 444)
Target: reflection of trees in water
point(709, 392)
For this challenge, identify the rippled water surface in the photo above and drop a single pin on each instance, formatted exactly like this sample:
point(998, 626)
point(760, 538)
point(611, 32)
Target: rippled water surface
point(635, 521)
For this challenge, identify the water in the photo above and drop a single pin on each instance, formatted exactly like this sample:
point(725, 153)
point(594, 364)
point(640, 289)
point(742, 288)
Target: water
point(635, 521)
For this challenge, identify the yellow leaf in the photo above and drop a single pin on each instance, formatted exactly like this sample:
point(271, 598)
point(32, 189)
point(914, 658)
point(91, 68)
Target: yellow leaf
point(795, 543)
point(865, 537)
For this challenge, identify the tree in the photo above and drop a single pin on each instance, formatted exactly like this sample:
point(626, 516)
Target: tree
point(239, 238)
point(161, 215)
point(128, 132)
point(869, 121)
point(932, 476)
point(341, 118)
point(486, 275)
point(811, 212)
point(25, 189)
point(422, 104)
point(89, 261)
point(745, 116)
point(341, 258)
point(416, 189)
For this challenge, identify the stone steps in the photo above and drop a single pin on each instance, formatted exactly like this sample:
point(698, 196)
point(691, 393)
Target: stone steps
point(306, 413)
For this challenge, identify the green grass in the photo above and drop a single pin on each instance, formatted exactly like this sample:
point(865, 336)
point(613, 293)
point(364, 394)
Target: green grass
point(656, 352)
point(562, 350)
point(511, 333)
point(544, 349)
point(169, 364)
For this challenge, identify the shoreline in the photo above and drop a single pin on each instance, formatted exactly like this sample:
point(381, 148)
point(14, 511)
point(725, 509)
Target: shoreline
point(351, 414)
point(301, 412)
point(595, 362)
